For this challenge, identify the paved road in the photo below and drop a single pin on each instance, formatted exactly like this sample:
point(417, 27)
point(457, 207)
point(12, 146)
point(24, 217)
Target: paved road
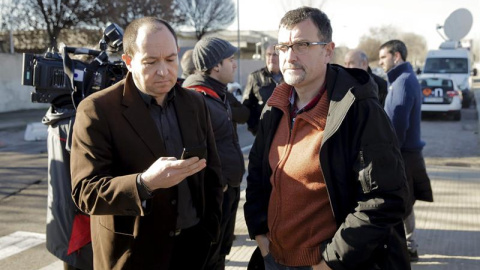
point(448, 230)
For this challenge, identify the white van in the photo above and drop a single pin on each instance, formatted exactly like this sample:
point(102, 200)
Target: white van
point(454, 62)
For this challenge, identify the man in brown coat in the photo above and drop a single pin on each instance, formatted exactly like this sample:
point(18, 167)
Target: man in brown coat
point(149, 208)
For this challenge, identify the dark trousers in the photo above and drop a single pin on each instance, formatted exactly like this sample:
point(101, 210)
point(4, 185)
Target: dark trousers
point(191, 249)
point(220, 250)
point(417, 178)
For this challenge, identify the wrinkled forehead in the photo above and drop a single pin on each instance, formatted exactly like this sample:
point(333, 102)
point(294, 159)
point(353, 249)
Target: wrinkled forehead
point(302, 31)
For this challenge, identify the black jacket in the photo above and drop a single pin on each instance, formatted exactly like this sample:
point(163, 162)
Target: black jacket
point(382, 87)
point(224, 127)
point(363, 171)
point(260, 86)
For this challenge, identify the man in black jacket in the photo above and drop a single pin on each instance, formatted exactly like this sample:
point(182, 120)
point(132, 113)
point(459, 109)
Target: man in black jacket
point(358, 59)
point(260, 85)
point(326, 179)
point(215, 65)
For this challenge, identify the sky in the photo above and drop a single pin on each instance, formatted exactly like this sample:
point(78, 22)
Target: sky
point(351, 19)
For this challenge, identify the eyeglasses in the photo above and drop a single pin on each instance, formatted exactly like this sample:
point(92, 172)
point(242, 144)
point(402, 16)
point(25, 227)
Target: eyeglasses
point(298, 48)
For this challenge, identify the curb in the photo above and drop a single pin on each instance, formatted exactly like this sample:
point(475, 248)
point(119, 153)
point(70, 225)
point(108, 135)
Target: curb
point(477, 102)
point(16, 120)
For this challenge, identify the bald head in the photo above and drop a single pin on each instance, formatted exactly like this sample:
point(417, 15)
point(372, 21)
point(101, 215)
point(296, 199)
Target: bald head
point(356, 59)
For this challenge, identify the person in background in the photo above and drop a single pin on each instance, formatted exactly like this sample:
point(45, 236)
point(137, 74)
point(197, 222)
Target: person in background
point(358, 59)
point(239, 112)
point(403, 106)
point(326, 185)
point(214, 60)
point(260, 85)
point(68, 229)
point(188, 68)
point(149, 209)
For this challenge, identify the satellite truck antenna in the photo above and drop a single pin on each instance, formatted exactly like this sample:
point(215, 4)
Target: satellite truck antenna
point(456, 26)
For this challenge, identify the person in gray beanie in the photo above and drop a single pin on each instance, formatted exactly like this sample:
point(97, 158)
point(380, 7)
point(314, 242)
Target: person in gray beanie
point(210, 51)
point(214, 60)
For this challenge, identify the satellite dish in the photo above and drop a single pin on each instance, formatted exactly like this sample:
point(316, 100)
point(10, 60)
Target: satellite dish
point(458, 24)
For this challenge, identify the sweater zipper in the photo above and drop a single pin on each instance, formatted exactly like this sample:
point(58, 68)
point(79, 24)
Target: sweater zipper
point(280, 163)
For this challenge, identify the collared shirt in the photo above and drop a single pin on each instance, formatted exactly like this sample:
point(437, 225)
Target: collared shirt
point(167, 125)
point(278, 78)
point(294, 111)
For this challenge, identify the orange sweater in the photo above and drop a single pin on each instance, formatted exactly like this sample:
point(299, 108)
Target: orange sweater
point(300, 217)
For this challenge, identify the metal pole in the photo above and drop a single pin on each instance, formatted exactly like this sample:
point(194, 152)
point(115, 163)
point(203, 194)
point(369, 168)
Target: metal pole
point(238, 41)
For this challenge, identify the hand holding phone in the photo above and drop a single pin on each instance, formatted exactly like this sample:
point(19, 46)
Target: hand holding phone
point(196, 151)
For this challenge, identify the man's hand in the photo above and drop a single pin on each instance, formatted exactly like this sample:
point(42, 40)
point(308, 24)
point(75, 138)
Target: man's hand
point(321, 266)
point(168, 171)
point(263, 243)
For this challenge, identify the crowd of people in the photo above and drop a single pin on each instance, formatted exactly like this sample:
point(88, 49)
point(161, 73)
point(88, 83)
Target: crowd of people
point(149, 175)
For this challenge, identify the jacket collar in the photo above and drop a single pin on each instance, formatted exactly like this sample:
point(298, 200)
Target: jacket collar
point(137, 114)
point(281, 99)
point(206, 81)
point(395, 72)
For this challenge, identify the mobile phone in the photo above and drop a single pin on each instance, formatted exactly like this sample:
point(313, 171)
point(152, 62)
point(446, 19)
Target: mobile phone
point(199, 151)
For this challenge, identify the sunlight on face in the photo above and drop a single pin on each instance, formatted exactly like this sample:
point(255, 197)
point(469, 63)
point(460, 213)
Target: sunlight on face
point(226, 70)
point(385, 59)
point(154, 66)
point(303, 70)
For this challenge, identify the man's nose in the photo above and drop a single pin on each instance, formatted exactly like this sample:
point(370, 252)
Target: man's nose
point(290, 55)
point(162, 69)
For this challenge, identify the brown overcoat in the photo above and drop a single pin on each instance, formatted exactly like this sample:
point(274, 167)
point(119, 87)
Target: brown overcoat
point(114, 140)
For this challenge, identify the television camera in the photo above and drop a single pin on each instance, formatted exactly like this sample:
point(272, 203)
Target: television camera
point(61, 80)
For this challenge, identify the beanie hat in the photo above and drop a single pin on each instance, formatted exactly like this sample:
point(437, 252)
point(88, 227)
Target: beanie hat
point(187, 63)
point(210, 51)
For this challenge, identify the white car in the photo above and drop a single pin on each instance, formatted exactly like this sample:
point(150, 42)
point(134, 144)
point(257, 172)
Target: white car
point(440, 95)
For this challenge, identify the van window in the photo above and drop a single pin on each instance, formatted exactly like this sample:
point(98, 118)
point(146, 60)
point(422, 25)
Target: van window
point(446, 65)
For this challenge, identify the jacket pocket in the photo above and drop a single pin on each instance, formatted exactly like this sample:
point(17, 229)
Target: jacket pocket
point(380, 166)
point(365, 173)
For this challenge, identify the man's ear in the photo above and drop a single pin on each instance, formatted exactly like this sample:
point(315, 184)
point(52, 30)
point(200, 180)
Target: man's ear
point(128, 60)
point(397, 57)
point(329, 51)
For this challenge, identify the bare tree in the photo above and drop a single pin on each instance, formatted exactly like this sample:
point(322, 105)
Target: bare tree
point(122, 12)
point(339, 55)
point(55, 16)
point(417, 48)
point(207, 15)
point(385, 33)
point(416, 44)
point(370, 46)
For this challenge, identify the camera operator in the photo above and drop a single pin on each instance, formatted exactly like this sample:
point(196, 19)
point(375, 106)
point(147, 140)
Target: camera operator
point(64, 82)
point(68, 229)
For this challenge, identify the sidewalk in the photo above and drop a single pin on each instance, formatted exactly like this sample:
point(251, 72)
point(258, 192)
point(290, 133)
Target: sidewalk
point(448, 230)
